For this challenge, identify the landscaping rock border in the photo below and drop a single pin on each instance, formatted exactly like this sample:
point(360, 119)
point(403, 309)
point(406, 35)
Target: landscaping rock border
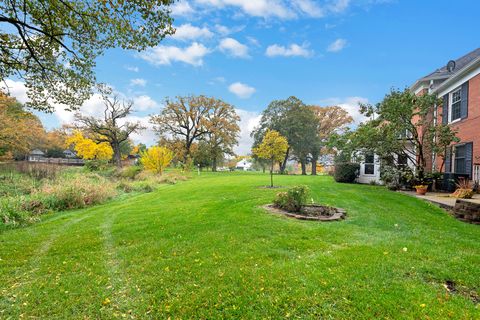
point(339, 214)
point(467, 211)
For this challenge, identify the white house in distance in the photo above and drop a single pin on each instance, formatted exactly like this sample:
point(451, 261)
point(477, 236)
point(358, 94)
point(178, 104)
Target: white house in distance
point(36, 155)
point(244, 165)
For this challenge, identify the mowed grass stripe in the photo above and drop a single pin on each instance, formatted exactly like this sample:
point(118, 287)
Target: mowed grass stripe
point(204, 249)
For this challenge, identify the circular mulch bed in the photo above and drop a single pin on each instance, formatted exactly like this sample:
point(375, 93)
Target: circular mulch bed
point(312, 212)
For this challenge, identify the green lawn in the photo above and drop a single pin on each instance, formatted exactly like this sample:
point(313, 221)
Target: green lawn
point(204, 249)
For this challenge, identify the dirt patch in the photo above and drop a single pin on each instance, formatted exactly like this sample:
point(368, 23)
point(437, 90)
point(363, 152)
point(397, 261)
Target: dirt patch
point(269, 187)
point(452, 288)
point(313, 212)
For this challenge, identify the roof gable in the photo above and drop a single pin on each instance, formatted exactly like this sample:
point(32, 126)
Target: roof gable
point(460, 63)
point(442, 74)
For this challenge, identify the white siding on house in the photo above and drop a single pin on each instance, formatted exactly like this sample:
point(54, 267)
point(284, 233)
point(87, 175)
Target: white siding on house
point(368, 178)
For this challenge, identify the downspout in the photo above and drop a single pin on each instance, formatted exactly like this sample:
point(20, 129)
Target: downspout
point(435, 113)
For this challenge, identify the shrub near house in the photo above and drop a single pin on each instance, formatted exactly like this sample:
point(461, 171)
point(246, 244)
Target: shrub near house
point(346, 172)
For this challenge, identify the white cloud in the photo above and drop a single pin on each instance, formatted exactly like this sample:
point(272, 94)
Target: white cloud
point(294, 50)
point(217, 80)
point(223, 30)
point(132, 68)
point(144, 102)
point(351, 104)
point(253, 41)
point(233, 48)
point(248, 121)
point(146, 136)
point(93, 107)
point(241, 90)
point(182, 8)
point(281, 9)
point(309, 8)
point(337, 45)
point(188, 32)
point(339, 6)
point(16, 89)
point(256, 8)
point(165, 55)
point(138, 82)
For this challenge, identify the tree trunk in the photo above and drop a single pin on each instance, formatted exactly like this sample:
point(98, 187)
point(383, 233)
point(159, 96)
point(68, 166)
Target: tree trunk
point(283, 165)
point(304, 167)
point(314, 167)
point(117, 157)
point(271, 175)
point(214, 165)
point(263, 168)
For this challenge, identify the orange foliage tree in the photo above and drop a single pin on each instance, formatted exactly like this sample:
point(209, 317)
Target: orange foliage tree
point(20, 130)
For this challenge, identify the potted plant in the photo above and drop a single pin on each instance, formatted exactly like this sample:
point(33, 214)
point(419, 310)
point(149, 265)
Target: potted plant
point(464, 189)
point(421, 189)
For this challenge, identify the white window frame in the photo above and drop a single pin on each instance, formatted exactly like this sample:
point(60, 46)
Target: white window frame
point(454, 156)
point(450, 104)
point(369, 163)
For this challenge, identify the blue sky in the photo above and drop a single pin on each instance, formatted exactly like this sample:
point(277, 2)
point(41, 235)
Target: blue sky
point(250, 52)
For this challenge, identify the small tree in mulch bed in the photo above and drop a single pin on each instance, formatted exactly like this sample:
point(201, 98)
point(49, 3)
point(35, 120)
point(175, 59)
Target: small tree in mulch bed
point(273, 148)
point(293, 200)
point(293, 204)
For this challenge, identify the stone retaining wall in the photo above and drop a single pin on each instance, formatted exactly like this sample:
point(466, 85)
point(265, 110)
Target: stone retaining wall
point(467, 211)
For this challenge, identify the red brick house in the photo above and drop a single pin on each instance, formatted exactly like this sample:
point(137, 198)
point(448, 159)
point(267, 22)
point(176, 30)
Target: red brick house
point(458, 85)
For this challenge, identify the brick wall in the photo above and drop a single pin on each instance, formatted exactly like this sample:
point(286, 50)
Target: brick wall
point(469, 128)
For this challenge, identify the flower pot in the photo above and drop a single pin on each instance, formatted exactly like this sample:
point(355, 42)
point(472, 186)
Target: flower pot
point(421, 190)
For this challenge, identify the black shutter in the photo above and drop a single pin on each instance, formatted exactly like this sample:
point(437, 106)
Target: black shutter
point(448, 160)
point(464, 107)
point(468, 158)
point(445, 109)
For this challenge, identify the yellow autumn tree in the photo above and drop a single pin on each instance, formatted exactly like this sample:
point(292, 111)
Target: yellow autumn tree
point(88, 149)
point(156, 159)
point(273, 148)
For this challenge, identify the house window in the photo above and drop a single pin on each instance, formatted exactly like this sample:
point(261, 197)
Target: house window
point(456, 105)
point(402, 160)
point(369, 163)
point(460, 159)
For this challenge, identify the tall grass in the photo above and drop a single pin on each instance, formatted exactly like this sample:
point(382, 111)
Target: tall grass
point(30, 190)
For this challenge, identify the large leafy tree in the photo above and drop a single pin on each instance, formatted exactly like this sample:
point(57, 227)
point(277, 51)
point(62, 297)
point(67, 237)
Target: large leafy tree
point(52, 44)
point(191, 119)
point(404, 126)
point(202, 156)
point(112, 128)
point(20, 130)
point(329, 120)
point(292, 119)
point(273, 149)
point(302, 133)
point(223, 131)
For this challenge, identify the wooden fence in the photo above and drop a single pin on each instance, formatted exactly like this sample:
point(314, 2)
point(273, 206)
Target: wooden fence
point(61, 161)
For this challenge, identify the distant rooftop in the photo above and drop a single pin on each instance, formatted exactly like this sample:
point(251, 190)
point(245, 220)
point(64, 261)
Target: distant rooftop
point(37, 152)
